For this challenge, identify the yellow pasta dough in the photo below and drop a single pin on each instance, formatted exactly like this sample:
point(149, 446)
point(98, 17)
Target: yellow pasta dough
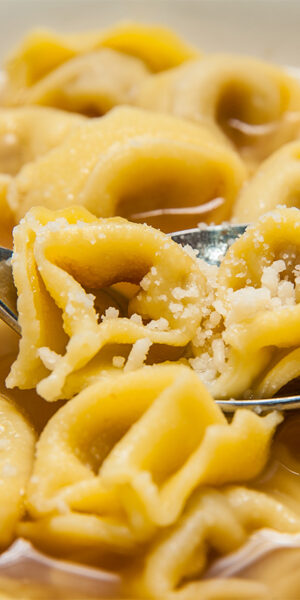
point(122, 454)
point(136, 469)
point(71, 251)
point(251, 103)
point(26, 134)
point(17, 441)
point(218, 521)
point(91, 83)
point(43, 51)
point(259, 291)
point(132, 162)
point(277, 182)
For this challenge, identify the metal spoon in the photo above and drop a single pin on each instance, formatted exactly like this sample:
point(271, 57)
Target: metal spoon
point(212, 244)
point(8, 292)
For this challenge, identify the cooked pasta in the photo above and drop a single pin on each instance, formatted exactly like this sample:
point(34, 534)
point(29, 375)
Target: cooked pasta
point(129, 163)
point(242, 324)
point(120, 458)
point(25, 134)
point(250, 341)
point(277, 182)
point(63, 252)
point(214, 520)
point(253, 104)
point(17, 441)
point(42, 52)
point(90, 84)
point(127, 337)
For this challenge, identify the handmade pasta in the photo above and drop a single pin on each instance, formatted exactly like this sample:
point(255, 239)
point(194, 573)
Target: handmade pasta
point(254, 105)
point(43, 51)
point(276, 183)
point(127, 338)
point(256, 299)
point(25, 134)
point(218, 521)
point(131, 162)
point(63, 252)
point(90, 84)
point(17, 440)
point(121, 457)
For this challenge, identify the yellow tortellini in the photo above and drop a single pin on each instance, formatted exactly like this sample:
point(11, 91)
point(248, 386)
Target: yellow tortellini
point(252, 104)
point(42, 51)
point(134, 163)
point(90, 84)
point(276, 183)
point(25, 134)
point(70, 255)
point(95, 310)
point(17, 445)
point(119, 460)
point(217, 521)
point(259, 297)
point(126, 336)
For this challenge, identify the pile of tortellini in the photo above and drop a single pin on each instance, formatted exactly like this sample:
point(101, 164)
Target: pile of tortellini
point(128, 336)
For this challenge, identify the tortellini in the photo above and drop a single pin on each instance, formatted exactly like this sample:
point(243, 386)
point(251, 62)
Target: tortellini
point(254, 105)
point(25, 134)
point(119, 460)
point(42, 52)
point(218, 521)
point(259, 297)
point(71, 252)
point(130, 163)
point(276, 183)
point(90, 84)
point(127, 337)
point(242, 325)
point(17, 445)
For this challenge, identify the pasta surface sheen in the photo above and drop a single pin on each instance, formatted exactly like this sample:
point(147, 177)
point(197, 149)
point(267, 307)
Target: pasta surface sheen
point(113, 451)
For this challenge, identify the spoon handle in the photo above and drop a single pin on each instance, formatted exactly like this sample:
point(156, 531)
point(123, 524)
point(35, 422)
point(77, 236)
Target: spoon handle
point(8, 298)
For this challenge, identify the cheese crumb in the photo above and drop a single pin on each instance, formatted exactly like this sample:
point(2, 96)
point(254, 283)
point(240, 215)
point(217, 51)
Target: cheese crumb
point(138, 355)
point(118, 361)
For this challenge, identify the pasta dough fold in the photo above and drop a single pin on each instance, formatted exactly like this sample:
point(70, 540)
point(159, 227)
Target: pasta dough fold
point(42, 51)
point(132, 162)
point(29, 132)
point(122, 451)
point(71, 251)
point(218, 521)
point(258, 288)
point(25, 134)
point(17, 444)
point(90, 84)
point(250, 103)
point(276, 183)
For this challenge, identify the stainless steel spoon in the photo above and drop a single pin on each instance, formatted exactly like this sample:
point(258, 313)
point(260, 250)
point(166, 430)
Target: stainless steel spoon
point(212, 244)
point(8, 292)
